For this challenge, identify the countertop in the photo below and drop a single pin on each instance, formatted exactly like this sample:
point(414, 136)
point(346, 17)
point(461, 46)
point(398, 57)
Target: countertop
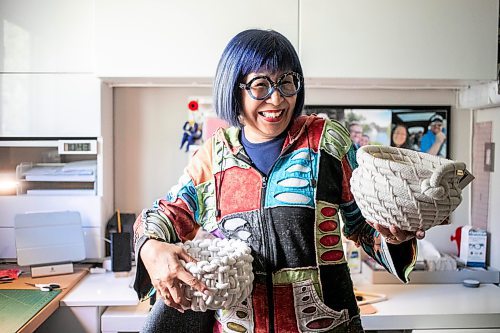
point(103, 289)
point(433, 306)
point(423, 306)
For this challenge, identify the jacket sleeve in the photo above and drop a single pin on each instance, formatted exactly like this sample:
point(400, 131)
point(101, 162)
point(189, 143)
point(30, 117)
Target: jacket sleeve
point(399, 259)
point(173, 218)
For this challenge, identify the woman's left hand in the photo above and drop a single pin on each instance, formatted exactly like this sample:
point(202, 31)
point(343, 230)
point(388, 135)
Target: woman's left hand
point(394, 235)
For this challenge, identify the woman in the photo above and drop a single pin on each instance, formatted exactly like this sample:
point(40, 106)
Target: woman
point(286, 177)
point(400, 137)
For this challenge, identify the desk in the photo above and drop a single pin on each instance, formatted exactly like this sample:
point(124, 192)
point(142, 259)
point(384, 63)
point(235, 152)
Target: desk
point(82, 307)
point(409, 307)
point(66, 282)
point(434, 306)
point(107, 303)
point(108, 289)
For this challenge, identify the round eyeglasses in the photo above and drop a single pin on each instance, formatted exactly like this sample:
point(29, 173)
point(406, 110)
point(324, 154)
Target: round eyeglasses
point(261, 87)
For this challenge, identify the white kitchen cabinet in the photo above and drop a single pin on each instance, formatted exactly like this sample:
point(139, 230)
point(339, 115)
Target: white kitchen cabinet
point(50, 105)
point(158, 38)
point(50, 36)
point(394, 39)
point(75, 319)
point(40, 114)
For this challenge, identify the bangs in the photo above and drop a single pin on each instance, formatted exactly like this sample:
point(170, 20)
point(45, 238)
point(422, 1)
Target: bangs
point(270, 56)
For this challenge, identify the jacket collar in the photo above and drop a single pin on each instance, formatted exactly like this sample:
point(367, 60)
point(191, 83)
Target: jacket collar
point(230, 136)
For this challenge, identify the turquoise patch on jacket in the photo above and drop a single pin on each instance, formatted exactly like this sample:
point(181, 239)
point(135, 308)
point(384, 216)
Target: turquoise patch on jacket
point(290, 184)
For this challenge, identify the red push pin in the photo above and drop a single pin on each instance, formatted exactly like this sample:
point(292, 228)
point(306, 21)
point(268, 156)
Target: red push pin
point(193, 105)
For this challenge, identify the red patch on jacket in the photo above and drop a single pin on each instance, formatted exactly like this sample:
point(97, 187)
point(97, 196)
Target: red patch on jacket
point(179, 212)
point(260, 309)
point(346, 186)
point(284, 308)
point(240, 190)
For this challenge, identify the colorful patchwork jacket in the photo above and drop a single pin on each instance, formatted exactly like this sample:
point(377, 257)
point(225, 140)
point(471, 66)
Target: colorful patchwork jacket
point(291, 220)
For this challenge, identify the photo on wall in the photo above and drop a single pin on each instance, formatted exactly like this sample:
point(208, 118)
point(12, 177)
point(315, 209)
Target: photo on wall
point(420, 128)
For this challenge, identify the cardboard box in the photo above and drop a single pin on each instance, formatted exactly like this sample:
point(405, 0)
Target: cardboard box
point(473, 246)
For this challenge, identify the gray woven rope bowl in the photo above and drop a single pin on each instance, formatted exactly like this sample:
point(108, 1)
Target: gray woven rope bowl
point(225, 266)
point(406, 188)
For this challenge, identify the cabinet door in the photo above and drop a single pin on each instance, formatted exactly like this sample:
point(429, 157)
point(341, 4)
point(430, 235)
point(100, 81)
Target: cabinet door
point(393, 39)
point(49, 105)
point(46, 36)
point(158, 38)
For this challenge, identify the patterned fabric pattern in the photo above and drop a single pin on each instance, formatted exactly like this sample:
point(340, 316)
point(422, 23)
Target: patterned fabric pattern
point(291, 219)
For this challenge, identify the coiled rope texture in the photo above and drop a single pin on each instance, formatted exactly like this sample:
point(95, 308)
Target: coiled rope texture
point(225, 266)
point(406, 188)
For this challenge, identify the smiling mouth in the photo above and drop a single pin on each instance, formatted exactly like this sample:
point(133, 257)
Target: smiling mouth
point(272, 115)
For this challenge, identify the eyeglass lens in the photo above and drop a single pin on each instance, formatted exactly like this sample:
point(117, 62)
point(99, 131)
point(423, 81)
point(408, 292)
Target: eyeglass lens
point(262, 87)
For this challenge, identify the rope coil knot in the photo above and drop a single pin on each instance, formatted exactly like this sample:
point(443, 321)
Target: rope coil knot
point(406, 188)
point(225, 266)
point(435, 192)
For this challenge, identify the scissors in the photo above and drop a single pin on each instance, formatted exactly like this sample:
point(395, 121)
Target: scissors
point(6, 279)
point(45, 286)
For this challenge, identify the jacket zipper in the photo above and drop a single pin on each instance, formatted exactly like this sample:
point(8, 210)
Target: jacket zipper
point(269, 271)
point(269, 275)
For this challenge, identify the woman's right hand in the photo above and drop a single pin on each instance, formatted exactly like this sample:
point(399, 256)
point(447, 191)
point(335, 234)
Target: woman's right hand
point(162, 261)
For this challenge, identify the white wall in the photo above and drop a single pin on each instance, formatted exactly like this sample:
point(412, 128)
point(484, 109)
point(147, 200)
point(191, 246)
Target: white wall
point(148, 130)
point(493, 115)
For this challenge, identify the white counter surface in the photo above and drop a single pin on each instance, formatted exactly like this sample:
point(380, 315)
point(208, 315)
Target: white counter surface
point(434, 306)
point(424, 306)
point(419, 306)
point(108, 289)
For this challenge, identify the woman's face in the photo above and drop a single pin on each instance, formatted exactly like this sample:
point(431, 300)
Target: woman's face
point(266, 119)
point(399, 136)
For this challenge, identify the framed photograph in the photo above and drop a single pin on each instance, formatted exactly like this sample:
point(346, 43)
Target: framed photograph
point(420, 128)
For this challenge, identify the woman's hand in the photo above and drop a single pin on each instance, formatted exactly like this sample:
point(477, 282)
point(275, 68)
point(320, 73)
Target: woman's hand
point(162, 261)
point(394, 235)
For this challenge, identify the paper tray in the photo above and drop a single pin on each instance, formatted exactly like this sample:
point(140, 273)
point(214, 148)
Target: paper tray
point(435, 277)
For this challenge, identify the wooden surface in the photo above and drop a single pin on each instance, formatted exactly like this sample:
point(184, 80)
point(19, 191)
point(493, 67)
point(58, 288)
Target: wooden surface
point(66, 281)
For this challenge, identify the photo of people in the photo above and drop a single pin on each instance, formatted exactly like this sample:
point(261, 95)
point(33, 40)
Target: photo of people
point(400, 137)
point(435, 139)
point(356, 133)
point(367, 126)
point(427, 129)
point(421, 128)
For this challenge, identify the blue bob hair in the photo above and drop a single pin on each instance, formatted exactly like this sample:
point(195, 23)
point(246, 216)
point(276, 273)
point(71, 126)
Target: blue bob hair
point(250, 51)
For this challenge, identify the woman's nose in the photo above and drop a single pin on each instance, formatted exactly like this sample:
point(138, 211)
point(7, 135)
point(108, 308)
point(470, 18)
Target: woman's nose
point(275, 98)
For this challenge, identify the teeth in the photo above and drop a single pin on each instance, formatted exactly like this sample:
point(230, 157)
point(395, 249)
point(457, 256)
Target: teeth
point(272, 114)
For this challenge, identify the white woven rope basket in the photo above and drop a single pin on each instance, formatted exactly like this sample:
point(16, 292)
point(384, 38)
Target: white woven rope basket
point(406, 188)
point(225, 266)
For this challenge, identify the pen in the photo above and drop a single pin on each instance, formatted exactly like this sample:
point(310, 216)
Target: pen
point(119, 221)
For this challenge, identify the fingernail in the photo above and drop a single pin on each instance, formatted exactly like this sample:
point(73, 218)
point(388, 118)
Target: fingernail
point(208, 292)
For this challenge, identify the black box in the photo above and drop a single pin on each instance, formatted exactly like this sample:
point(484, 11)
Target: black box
point(121, 252)
point(127, 221)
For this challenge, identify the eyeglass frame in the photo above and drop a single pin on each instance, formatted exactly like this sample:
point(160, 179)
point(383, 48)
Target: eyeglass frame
point(274, 85)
